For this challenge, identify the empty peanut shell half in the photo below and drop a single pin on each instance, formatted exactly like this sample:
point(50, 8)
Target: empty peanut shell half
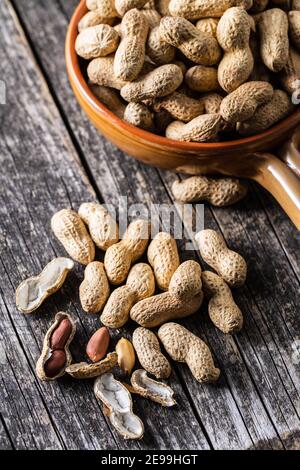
point(32, 292)
point(151, 389)
point(118, 405)
point(84, 370)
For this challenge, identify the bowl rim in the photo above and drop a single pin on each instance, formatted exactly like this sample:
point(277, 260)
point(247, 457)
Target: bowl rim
point(74, 70)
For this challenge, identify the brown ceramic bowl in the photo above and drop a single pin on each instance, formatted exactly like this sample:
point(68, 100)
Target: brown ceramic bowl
point(248, 157)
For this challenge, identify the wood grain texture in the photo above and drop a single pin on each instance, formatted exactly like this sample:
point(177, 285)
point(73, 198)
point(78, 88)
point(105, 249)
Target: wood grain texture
point(41, 174)
point(256, 404)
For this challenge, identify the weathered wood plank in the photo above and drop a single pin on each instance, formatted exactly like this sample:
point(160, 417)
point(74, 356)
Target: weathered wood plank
point(40, 175)
point(114, 168)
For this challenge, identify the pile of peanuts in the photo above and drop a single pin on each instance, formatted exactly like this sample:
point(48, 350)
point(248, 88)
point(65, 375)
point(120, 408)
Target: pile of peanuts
point(200, 71)
point(154, 294)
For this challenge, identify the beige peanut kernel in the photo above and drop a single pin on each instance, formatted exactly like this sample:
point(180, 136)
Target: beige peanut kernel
point(218, 192)
point(180, 106)
point(110, 99)
point(94, 289)
point(164, 258)
point(235, 108)
point(158, 50)
point(268, 114)
point(137, 114)
point(141, 281)
point(233, 33)
point(93, 18)
point(203, 128)
point(230, 265)
point(197, 46)
point(202, 79)
point(222, 310)
point(97, 41)
point(55, 356)
point(274, 41)
point(101, 72)
point(119, 257)
point(126, 355)
point(70, 230)
point(103, 228)
point(116, 311)
point(196, 9)
point(130, 55)
point(208, 26)
point(184, 346)
point(149, 354)
point(159, 82)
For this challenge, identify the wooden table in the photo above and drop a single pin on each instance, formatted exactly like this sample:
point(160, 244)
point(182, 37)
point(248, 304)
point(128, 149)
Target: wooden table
point(51, 158)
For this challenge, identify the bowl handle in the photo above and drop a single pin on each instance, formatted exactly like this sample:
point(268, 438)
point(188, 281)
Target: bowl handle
point(282, 183)
point(289, 152)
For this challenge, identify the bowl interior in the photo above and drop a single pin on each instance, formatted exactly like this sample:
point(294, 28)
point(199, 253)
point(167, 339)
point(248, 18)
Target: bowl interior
point(282, 128)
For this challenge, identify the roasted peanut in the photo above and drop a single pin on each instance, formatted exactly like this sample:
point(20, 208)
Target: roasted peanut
point(180, 106)
point(70, 230)
point(164, 258)
point(141, 281)
point(235, 108)
point(119, 257)
point(223, 311)
point(139, 115)
point(110, 99)
point(94, 289)
point(202, 79)
point(290, 73)
point(184, 346)
point(196, 9)
point(181, 301)
point(152, 16)
point(159, 51)
point(227, 263)
point(218, 192)
point(208, 26)
point(130, 55)
point(149, 353)
point(274, 41)
point(116, 311)
point(122, 6)
point(101, 72)
point(97, 41)
point(103, 228)
point(203, 128)
point(98, 344)
point(126, 355)
point(159, 82)
point(55, 356)
point(93, 18)
point(105, 7)
point(32, 292)
point(233, 33)
point(197, 46)
point(268, 114)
